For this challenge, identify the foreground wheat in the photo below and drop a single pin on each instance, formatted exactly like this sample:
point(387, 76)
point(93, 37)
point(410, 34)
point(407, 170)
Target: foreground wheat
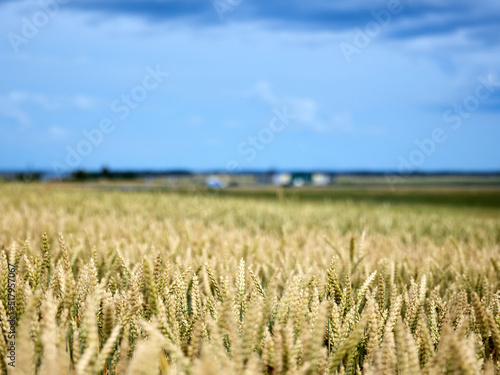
point(106, 316)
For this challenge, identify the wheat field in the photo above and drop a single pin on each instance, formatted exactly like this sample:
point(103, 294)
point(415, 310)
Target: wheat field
point(110, 282)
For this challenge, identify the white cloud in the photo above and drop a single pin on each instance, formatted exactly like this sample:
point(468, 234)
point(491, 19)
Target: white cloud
point(57, 132)
point(13, 105)
point(83, 102)
point(9, 109)
point(43, 101)
point(264, 91)
point(342, 123)
point(306, 112)
point(261, 90)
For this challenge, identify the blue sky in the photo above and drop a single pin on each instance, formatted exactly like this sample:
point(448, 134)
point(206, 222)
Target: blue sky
point(241, 84)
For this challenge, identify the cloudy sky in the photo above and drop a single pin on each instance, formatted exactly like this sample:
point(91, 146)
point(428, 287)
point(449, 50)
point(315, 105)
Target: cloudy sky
point(250, 84)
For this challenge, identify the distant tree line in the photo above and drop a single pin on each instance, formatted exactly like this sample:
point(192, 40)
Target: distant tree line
point(105, 173)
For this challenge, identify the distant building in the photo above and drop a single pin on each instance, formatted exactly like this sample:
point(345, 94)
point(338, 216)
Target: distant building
point(320, 179)
point(301, 179)
point(282, 179)
point(215, 182)
point(266, 178)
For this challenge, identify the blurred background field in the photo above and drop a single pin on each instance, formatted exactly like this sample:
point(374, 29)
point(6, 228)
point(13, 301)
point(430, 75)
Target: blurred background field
point(464, 190)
